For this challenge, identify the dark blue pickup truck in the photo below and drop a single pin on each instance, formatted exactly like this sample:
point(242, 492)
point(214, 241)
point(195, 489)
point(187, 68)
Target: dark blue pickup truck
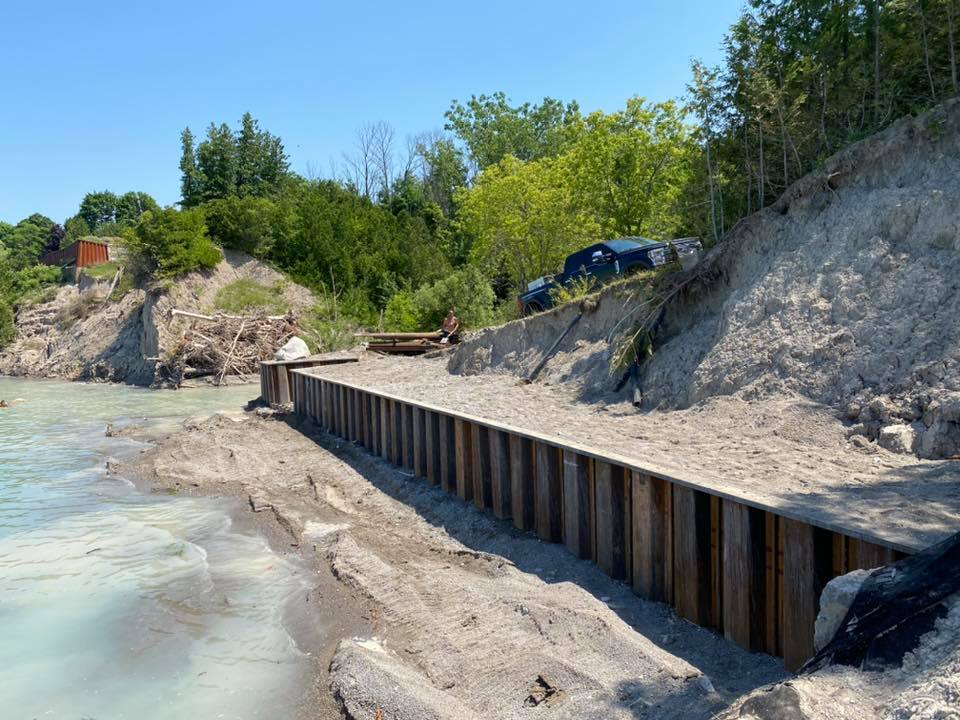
point(607, 261)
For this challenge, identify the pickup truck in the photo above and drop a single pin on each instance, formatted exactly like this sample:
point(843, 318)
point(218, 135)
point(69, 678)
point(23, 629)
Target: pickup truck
point(607, 261)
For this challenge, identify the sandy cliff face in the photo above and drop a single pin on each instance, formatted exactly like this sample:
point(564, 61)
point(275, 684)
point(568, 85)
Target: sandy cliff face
point(81, 335)
point(847, 291)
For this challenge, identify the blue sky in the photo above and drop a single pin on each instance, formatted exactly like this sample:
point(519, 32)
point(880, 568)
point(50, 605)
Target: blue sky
point(94, 95)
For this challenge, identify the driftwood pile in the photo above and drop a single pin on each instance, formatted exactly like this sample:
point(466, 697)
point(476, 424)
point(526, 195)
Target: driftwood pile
point(220, 345)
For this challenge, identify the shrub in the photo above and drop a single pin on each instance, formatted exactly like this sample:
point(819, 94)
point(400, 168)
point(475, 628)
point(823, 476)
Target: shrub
point(401, 313)
point(325, 331)
point(8, 329)
point(467, 291)
point(250, 224)
point(77, 308)
point(172, 242)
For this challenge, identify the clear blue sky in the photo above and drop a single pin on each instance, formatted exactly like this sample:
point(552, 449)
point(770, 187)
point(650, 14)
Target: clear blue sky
point(95, 94)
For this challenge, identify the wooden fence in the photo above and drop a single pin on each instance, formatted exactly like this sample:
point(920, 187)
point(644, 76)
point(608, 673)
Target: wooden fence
point(751, 572)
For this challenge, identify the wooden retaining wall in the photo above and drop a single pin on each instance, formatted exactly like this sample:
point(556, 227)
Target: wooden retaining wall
point(276, 380)
point(750, 572)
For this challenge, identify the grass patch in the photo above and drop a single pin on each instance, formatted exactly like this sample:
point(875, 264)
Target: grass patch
point(103, 271)
point(248, 296)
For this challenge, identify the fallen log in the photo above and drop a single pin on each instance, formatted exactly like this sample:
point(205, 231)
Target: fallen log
point(222, 316)
point(437, 335)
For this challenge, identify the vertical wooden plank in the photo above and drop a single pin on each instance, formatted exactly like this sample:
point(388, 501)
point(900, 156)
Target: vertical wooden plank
point(406, 436)
point(500, 484)
point(866, 556)
point(521, 481)
point(480, 460)
point(773, 576)
point(609, 520)
point(448, 454)
point(744, 576)
point(385, 429)
point(283, 389)
point(330, 402)
point(352, 415)
point(691, 555)
point(577, 519)
point(433, 447)
point(651, 537)
point(716, 558)
point(399, 432)
point(375, 427)
point(419, 443)
point(800, 593)
point(549, 493)
point(463, 440)
point(408, 433)
point(367, 422)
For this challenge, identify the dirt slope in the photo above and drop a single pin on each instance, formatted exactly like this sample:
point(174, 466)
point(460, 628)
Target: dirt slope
point(120, 341)
point(846, 292)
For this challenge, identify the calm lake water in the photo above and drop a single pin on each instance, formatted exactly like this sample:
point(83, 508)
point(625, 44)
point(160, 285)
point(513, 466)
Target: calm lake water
point(119, 604)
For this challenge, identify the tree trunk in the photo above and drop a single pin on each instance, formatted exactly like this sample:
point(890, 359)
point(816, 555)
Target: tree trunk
point(953, 50)
point(926, 50)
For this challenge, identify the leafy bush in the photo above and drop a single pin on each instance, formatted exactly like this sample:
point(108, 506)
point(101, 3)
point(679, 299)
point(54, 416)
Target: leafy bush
point(8, 329)
point(467, 291)
point(250, 224)
point(35, 278)
point(244, 296)
point(401, 313)
point(171, 242)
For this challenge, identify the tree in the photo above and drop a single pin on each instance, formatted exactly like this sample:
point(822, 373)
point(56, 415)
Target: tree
point(54, 238)
point(74, 229)
point(443, 170)
point(191, 181)
point(98, 208)
point(105, 213)
point(250, 162)
point(26, 240)
point(491, 128)
point(170, 242)
point(524, 217)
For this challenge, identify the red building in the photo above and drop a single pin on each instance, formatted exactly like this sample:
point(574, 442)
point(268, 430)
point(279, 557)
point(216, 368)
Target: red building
point(79, 255)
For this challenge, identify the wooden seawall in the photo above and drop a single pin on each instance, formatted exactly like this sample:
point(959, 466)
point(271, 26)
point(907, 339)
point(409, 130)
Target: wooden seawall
point(276, 380)
point(752, 572)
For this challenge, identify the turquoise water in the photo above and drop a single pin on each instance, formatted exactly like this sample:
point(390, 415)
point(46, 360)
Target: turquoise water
point(118, 604)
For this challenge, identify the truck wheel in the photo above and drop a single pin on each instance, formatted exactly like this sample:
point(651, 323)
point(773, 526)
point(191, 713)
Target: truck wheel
point(532, 308)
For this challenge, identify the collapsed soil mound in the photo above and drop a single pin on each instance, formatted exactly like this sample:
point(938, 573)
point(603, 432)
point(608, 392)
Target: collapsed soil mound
point(846, 291)
point(83, 335)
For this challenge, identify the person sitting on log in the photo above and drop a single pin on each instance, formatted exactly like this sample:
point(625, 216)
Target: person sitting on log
point(450, 330)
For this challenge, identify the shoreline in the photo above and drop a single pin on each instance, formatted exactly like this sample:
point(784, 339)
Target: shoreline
point(461, 613)
point(329, 610)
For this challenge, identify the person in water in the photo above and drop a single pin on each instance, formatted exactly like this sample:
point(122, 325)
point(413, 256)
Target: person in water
point(450, 328)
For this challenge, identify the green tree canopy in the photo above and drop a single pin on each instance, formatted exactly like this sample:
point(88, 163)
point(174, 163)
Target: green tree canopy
point(250, 162)
point(524, 218)
point(171, 242)
point(491, 128)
